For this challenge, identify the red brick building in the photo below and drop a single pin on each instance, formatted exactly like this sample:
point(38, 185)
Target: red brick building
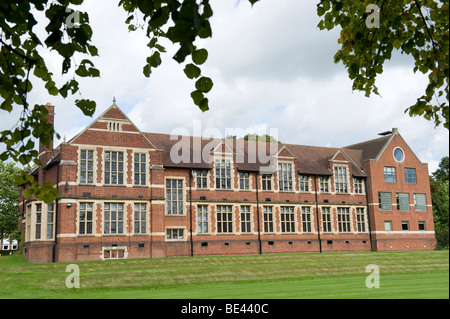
point(129, 194)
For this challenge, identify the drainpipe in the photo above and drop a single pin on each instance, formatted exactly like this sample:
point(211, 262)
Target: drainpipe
point(368, 214)
point(56, 214)
point(190, 210)
point(317, 214)
point(257, 214)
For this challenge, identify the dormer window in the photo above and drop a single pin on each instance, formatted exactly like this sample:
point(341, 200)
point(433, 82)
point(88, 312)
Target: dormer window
point(114, 126)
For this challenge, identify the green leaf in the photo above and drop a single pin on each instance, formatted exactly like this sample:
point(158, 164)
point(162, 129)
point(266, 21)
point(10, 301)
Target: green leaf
point(200, 56)
point(192, 71)
point(204, 84)
point(147, 70)
point(86, 106)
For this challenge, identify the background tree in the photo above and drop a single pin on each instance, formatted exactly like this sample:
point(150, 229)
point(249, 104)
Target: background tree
point(418, 28)
point(9, 200)
point(439, 182)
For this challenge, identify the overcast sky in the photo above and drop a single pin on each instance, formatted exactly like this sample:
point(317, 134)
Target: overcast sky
point(272, 69)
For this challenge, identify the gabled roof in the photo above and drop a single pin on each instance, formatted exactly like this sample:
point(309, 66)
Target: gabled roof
point(371, 149)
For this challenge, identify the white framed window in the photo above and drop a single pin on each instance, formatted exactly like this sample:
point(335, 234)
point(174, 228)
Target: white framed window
point(223, 174)
point(140, 169)
point(389, 174)
point(244, 180)
point(113, 218)
point(202, 219)
point(343, 218)
point(287, 219)
point(38, 222)
point(304, 183)
point(361, 219)
point(324, 183)
point(340, 179)
point(175, 234)
point(285, 177)
point(201, 178)
point(224, 219)
point(326, 220)
point(306, 220)
point(358, 185)
point(266, 182)
point(268, 219)
point(246, 224)
point(174, 197)
point(114, 163)
point(85, 220)
point(86, 166)
point(50, 220)
point(140, 218)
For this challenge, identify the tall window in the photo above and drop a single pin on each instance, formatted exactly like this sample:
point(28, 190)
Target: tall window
point(323, 184)
point(340, 179)
point(266, 180)
point(268, 219)
point(86, 167)
point(246, 225)
point(114, 168)
point(358, 184)
point(244, 180)
point(420, 202)
point(140, 218)
point(304, 183)
point(202, 219)
point(223, 174)
point(38, 221)
point(402, 201)
point(306, 219)
point(139, 169)
point(287, 219)
point(50, 220)
point(385, 201)
point(389, 174)
point(202, 178)
point(85, 223)
point(410, 176)
point(224, 219)
point(113, 218)
point(285, 177)
point(343, 217)
point(174, 197)
point(361, 220)
point(326, 220)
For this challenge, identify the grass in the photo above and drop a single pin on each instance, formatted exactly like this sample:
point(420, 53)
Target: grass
point(413, 274)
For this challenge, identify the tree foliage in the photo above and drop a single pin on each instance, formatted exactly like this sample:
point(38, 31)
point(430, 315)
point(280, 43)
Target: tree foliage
point(439, 182)
point(9, 199)
point(419, 28)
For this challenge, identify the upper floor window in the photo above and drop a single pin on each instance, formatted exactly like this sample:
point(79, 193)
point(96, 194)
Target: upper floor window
point(114, 126)
point(410, 176)
point(223, 174)
point(139, 169)
point(420, 202)
point(389, 174)
point(324, 184)
point(244, 180)
point(358, 184)
point(285, 177)
point(266, 181)
point(202, 178)
point(86, 167)
point(340, 179)
point(174, 197)
point(402, 201)
point(398, 154)
point(304, 183)
point(385, 201)
point(114, 168)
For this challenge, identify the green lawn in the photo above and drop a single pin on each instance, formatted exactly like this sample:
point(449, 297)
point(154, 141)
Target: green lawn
point(414, 274)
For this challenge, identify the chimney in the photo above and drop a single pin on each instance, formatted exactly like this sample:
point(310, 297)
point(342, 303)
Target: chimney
point(394, 131)
point(44, 151)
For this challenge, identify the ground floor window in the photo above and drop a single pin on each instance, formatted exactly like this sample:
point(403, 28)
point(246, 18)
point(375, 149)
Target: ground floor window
point(343, 217)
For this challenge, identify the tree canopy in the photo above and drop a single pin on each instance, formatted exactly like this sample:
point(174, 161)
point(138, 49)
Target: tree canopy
point(9, 199)
point(415, 27)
